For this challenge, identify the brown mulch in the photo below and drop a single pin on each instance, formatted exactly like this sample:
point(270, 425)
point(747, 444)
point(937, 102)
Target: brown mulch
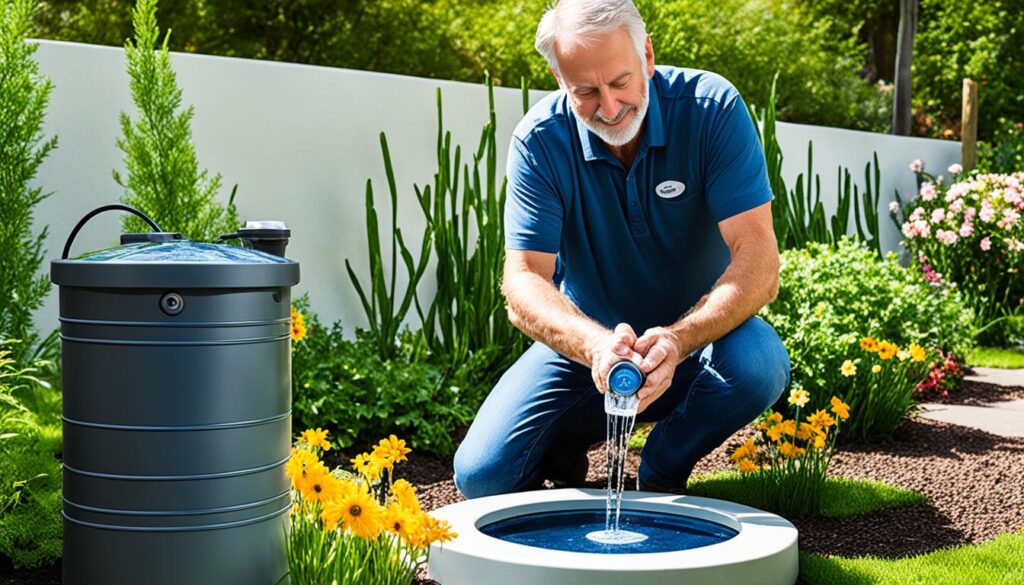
point(972, 479)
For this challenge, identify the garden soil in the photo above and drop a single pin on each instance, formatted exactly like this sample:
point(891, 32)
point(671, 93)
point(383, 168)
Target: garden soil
point(972, 480)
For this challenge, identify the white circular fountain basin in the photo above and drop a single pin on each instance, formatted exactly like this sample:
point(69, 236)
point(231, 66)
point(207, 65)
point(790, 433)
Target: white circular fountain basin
point(764, 550)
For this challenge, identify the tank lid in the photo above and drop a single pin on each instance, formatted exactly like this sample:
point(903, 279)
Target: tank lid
point(175, 264)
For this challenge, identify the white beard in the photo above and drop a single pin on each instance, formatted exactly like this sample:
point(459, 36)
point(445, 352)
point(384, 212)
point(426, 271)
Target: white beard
point(614, 136)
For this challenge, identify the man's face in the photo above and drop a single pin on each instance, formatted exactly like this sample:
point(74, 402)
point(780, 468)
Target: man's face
point(607, 85)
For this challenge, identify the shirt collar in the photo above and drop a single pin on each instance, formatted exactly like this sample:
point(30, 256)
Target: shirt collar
point(653, 132)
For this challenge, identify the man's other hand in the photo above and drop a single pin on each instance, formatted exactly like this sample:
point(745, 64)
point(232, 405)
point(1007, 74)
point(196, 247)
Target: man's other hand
point(662, 352)
point(609, 348)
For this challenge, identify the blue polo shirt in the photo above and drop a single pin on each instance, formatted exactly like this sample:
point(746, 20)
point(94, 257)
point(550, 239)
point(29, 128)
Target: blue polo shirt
point(638, 245)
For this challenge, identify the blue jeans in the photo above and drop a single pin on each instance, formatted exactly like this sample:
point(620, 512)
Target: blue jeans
point(545, 409)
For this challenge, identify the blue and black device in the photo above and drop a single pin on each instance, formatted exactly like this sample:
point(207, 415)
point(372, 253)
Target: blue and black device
point(625, 378)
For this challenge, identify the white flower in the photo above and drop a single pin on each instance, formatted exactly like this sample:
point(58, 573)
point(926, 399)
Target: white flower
point(946, 237)
point(938, 215)
point(917, 166)
point(966, 230)
point(985, 244)
point(893, 207)
point(955, 169)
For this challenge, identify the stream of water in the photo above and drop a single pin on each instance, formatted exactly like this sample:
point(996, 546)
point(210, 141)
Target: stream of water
point(621, 413)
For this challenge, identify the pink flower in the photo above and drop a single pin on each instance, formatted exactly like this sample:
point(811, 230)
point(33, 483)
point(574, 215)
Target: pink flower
point(928, 191)
point(985, 244)
point(917, 214)
point(971, 213)
point(893, 207)
point(917, 166)
point(938, 215)
point(946, 237)
point(966, 230)
point(987, 214)
point(956, 206)
point(955, 169)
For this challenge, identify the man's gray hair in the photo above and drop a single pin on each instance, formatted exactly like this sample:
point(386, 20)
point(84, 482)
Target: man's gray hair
point(578, 22)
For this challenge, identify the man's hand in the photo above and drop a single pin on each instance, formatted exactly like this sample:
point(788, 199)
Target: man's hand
point(606, 349)
point(662, 351)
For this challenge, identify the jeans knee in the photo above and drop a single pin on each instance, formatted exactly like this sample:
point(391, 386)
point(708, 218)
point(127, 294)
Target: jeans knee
point(477, 475)
point(765, 368)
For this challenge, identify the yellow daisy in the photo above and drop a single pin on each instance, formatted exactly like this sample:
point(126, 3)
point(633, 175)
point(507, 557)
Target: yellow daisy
point(355, 511)
point(367, 465)
point(301, 462)
point(316, 438)
point(401, 522)
point(876, 368)
point(745, 450)
point(917, 353)
point(821, 420)
point(887, 350)
point(298, 326)
point(319, 486)
point(848, 368)
point(405, 494)
point(869, 344)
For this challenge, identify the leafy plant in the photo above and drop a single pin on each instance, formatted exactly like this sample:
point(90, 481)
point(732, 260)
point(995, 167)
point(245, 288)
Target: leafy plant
point(786, 462)
point(163, 178)
point(827, 294)
point(24, 96)
point(1005, 152)
point(345, 385)
point(30, 479)
point(798, 216)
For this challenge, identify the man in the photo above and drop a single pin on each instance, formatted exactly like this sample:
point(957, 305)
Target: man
point(638, 200)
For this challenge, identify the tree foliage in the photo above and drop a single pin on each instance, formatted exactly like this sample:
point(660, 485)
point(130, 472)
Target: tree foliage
point(24, 96)
point(163, 177)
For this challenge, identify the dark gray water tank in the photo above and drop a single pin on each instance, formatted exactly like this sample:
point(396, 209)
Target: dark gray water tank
point(177, 401)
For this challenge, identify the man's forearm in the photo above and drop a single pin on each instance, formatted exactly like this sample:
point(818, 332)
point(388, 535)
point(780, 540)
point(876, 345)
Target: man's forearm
point(542, 312)
point(748, 284)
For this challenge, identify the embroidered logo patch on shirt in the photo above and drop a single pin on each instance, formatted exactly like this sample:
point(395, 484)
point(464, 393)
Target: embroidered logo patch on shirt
point(670, 189)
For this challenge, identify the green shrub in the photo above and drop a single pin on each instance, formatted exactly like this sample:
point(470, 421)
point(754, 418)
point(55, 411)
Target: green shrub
point(830, 297)
point(163, 178)
point(30, 479)
point(24, 95)
point(1005, 152)
point(346, 386)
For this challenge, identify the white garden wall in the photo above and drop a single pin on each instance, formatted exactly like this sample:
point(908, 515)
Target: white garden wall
point(301, 141)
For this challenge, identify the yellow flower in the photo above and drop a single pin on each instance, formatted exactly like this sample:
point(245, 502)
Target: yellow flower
point(405, 494)
point(806, 431)
point(746, 466)
point(401, 522)
point(841, 409)
point(390, 451)
point(876, 368)
point(917, 352)
point(356, 511)
point(869, 344)
point(819, 442)
point(799, 397)
point(772, 419)
point(886, 350)
point(368, 466)
point(790, 451)
point(434, 530)
point(745, 450)
point(848, 368)
point(319, 485)
point(301, 463)
point(315, 438)
point(298, 326)
point(821, 420)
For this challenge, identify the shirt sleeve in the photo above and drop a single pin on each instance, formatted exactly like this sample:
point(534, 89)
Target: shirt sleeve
point(737, 177)
point(533, 208)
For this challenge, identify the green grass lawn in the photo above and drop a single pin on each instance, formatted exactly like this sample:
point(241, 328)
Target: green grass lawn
point(996, 562)
point(843, 497)
point(996, 357)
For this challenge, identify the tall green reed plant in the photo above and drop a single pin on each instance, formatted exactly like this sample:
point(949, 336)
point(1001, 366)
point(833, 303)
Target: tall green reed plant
point(384, 311)
point(798, 215)
point(24, 96)
point(468, 310)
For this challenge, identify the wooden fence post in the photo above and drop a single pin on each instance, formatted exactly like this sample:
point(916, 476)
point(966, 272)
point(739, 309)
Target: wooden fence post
point(969, 125)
